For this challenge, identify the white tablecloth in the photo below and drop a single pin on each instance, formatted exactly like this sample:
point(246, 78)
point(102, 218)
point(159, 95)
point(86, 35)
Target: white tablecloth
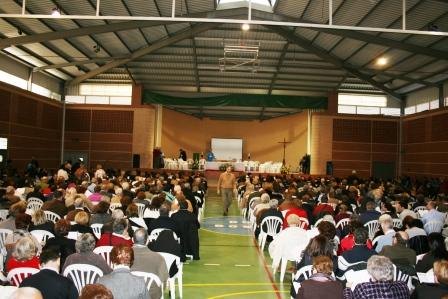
point(214, 165)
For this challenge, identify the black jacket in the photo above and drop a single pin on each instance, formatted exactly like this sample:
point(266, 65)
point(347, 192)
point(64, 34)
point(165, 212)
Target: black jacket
point(52, 285)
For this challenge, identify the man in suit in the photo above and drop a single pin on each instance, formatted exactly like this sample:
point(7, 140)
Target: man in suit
point(48, 281)
point(121, 282)
point(188, 226)
point(147, 260)
point(164, 220)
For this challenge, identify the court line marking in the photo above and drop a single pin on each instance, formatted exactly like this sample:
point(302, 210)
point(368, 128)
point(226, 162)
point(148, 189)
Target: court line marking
point(265, 266)
point(212, 264)
point(237, 265)
point(247, 293)
point(212, 231)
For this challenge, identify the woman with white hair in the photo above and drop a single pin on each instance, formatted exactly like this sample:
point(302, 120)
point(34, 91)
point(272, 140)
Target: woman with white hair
point(23, 255)
point(381, 285)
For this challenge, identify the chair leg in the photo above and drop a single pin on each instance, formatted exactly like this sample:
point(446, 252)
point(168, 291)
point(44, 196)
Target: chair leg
point(284, 263)
point(179, 284)
point(172, 288)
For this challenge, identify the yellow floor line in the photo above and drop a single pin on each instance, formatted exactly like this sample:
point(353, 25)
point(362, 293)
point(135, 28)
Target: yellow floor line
point(245, 293)
point(211, 231)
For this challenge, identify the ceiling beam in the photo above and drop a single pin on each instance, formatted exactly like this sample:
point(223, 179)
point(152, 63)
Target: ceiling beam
point(304, 43)
point(145, 51)
point(112, 27)
point(75, 63)
point(386, 42)
point(279, 65)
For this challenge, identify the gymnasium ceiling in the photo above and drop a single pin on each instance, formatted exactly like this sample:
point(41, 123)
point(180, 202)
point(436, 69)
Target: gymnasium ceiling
point(186, 57)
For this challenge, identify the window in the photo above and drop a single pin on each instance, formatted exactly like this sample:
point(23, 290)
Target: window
point(368, 110)
point(434, 104)
point(105, 89)
point(347, 109)
point(362, 100)
point(98, 100)
point(409, 110)
point(13, 80)
point(391, 111)
point(45, 92)
point(266, 5)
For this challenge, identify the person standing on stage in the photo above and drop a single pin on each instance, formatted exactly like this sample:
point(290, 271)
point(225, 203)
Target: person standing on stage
point(226, 187)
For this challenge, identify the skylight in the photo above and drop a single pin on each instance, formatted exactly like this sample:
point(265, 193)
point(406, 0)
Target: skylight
point(266, 5)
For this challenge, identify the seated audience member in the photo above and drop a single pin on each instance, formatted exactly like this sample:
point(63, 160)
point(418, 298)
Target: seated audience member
point(342, 214)
point(118, 236)
point(36, 193)
point(100, 213)
point(48, 281)
point(401, 206)
point(65, 245)
point(22, 221)
point(78, 204)
point(188, 226)
point(321, 284)
point(164, 220)
point(348, 241)
point(166, 242)
point(272, 211)
point(9, 198)
point(439, 289)
point(24, 293)
point(85, 244)
point(141, 198)
point(15, 209)
point(353, 258)
point(96, 196)
point(299, 211)
point(370, 213)
point(147, 260)
point(120, 281)
point(381, 285)
point(413, 227)
point(433, 215)
point(399, 253)
point(319, 245)
point(387, 208)
point(24, 255)
point(95, 291)
point(264, 204)
point(82, 224)
point(132, 214)
point(39, 222)
point(386, 225)
point(56, 205)
point(437, 251)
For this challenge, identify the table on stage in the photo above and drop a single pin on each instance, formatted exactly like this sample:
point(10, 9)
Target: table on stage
point(214, 165)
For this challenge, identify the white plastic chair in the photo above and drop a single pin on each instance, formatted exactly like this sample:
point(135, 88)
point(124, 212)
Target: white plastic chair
point(156, 232)
point(151, 213)
point(42, 235)
point(342, 223)
point(306, 272)
point(104, 251)
point(273, 227)
point(433, 227)
point(82, 274)
point(322, 219)
point(53, 217)
point(141, 209)
point(3, 214)
point(96, 227)
point(374, 241)
point(113, 206)
point(169, 260)
point(304, 223)
point(400, 276)
point(397, 222)
point(34, 204)
point(418, 209)
point(419, 257)
point(17, 275)
point(372, 226)
point(4, 232)
point(150, 278)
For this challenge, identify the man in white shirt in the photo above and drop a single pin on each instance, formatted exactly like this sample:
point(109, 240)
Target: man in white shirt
point(387, 227)
point(433, 215)
point(401, 207)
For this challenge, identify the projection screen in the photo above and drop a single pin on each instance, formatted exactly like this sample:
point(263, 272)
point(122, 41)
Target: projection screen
point(227, 148)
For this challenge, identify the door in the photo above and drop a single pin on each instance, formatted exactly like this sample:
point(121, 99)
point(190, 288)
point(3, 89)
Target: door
point(384, 170)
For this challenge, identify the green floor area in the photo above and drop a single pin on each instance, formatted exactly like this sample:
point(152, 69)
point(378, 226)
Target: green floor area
point(230, 265)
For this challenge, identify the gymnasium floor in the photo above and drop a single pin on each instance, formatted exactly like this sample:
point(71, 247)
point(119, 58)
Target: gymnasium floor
point(231, 265)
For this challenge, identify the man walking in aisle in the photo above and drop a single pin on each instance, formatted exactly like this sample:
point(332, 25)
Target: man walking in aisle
point(226, 187)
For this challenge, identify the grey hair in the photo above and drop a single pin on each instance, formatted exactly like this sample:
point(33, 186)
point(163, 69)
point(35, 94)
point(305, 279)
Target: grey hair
point(24, 249)
point(117, 214)
point(386, 219)
point(265, 198)
point(380, 268)
point(26, 293)
point(140, 236)
point(85, 243)
point(119, 226)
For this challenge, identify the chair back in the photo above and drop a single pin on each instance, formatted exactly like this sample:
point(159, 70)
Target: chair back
point(4, 232)
point(150, 278)
point(51, 216)
point(170, 259)
point(96, 227)
point(141, 209)
point(304, 223)
point(322, 219)
point(3, 214)
point(372, 226)
point(41, 235)
point(17, 275)
point(342, 223)
point(113, 206)
point(433, 227)
point(151, 213)
point(104, 252)
point(271, 225)
point(397, 222)
point(302, 274)
point(82, 274)
point(34, 204)
point(419, 244)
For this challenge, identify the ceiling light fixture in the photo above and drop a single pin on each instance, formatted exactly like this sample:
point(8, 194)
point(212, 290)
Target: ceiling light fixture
point(245, 27)
point(56, 12)
point(381, 61)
